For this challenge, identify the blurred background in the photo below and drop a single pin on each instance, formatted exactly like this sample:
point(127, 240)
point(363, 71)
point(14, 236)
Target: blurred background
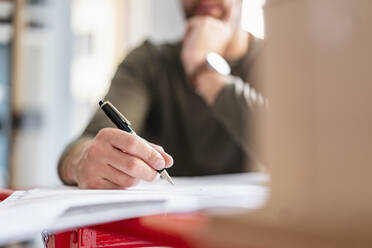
point(56, 61)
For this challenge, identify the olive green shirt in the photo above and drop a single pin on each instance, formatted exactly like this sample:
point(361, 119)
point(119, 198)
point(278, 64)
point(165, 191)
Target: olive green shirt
point(151, 89)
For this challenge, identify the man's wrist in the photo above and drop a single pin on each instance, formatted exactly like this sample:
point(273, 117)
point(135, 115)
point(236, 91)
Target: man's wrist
point(208, 84)
point(210, 76)
point(66, 172)
point(192, 63)
point(197, 73)
point(69, 161)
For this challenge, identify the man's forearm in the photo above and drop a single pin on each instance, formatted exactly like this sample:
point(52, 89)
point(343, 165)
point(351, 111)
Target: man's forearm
point(69, 160)
point(240, 108)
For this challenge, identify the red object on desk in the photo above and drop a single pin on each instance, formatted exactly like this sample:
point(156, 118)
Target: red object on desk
point(131, 233)
point(150, 231)
point(4, 193)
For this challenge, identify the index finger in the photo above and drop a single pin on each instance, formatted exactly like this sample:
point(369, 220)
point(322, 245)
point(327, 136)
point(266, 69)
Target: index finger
point(227, 15)
point(136, 146)
point(167, 158)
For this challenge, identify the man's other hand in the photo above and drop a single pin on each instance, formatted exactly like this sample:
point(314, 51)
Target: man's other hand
point(204, 34)
point(114, 159)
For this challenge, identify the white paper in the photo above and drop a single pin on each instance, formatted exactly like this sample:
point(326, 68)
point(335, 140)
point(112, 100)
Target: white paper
point(25, 220)
point(236, 192)
point(33, 211)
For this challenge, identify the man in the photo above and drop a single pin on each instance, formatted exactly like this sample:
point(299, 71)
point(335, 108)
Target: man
point(172, 98)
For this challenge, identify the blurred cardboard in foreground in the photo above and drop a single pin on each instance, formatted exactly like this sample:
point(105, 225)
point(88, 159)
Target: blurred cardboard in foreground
point(319, 138)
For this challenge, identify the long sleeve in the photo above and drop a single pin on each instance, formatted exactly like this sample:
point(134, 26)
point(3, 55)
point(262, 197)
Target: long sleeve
point(128, 92)
point(237, 106)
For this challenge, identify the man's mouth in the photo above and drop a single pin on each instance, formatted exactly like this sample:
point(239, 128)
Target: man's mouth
point(209, 7)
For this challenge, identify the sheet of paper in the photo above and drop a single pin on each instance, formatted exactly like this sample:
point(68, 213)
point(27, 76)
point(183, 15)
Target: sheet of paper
point(25, 214)
point(234, 192)
point(25, 220)
point(62, 208)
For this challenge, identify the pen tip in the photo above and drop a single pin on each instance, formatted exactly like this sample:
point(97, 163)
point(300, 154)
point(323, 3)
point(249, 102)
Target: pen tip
point(171, 181)
point(100, 103)
point(166, 176)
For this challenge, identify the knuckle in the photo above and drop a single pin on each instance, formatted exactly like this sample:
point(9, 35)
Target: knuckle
point(132, 166)
point(152, 157)
point(159, 148)
point(156, 160)
point(103, 133)
point(132, 142)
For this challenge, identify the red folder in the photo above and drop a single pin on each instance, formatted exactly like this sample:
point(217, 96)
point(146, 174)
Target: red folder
point(126, 233)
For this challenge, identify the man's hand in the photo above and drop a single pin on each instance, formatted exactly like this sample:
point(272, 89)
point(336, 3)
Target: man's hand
point(114, 159)
point(204, 34)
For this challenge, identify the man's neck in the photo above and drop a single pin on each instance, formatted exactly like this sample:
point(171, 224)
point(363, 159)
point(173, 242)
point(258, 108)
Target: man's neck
point(238, 46)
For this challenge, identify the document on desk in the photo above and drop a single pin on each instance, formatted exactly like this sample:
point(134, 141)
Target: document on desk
point(61, 208)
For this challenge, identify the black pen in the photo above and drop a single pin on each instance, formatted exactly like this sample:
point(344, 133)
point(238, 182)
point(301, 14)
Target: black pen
point(123, 124)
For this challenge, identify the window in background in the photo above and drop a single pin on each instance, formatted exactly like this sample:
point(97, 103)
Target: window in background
point(252, 17)
point(41, 92)
point(6, 9)
point(93, 25)
point(97, 27)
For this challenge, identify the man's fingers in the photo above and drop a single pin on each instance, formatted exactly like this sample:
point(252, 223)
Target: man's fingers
point(118, 177)
point(188, 30)
point(107, 184)
point(191, 24)
point(167, 158)
point(228, 12)
point(134, 145)
point(99, 183)
point(195, 21)
point(130, 165)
